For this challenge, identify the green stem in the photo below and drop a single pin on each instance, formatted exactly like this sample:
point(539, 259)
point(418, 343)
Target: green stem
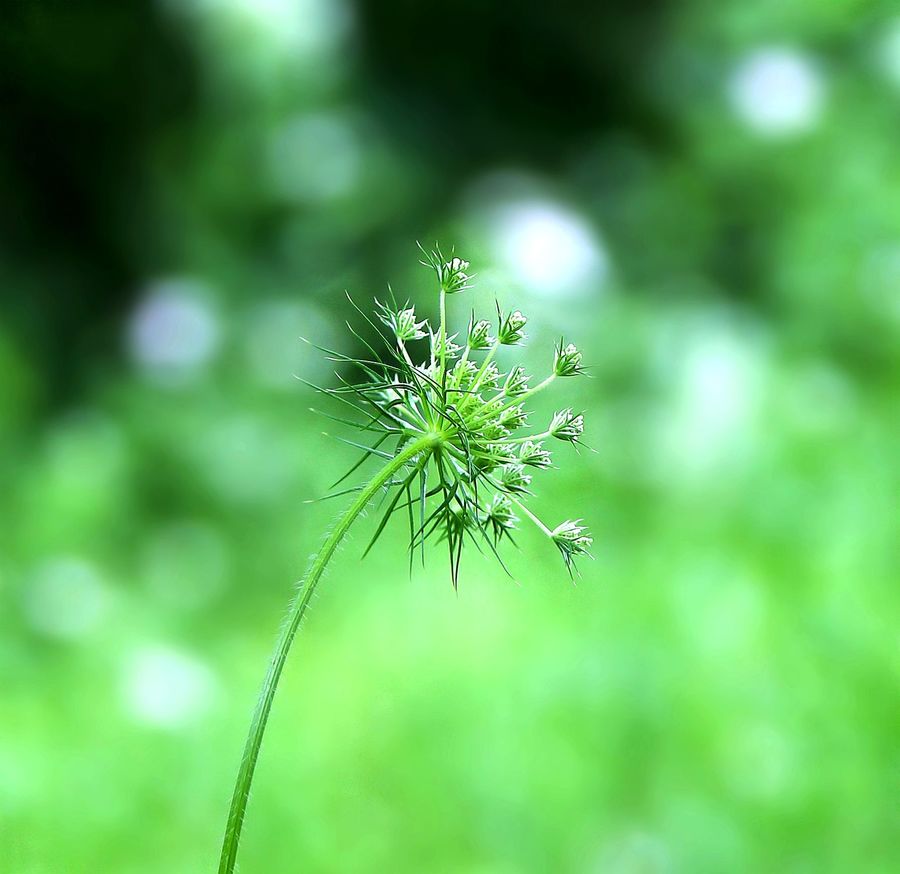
point(285, 639)
point(476, 383)
point(461, 365)
point(533, 437)
point(493, 413)
point(443, 337)
point(530, 515)
point(532, 391)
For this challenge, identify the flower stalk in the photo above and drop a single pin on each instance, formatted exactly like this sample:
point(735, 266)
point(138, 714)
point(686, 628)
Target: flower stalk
point(292, 621)
point(452, 465)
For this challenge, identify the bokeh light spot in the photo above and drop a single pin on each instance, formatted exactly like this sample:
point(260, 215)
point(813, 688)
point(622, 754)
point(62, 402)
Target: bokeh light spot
point(166, 687)
point(889, 52)
point(315, 158)
point(174, 331)
point(549, 248)
point(185, 564)
point(710, 425)
point(66, 598)
point(273, 346)
point(777, 91)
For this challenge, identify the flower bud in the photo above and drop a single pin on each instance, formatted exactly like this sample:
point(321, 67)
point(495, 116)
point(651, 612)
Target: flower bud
point(567, 360)
point(534, 454)
point(444, 347)
point(572, 539)
point(516, 382)
point(479, 335)
point(485, 463)
point(490, 377)
point(500, 517)
point(511, 328)
point(402, 322)
point(464, 372)
point(494, 432)
point(565, 425)
point(453, 277)
point(513, 417)
point(514, 479)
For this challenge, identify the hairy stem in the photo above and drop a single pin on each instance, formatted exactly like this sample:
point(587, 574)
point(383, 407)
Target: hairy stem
point(285, 639)
point(443, 335)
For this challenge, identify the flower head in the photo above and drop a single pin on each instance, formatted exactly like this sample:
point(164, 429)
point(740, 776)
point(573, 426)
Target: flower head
point(401, 321)
point(455, 420)
point(500, 518)
point(451, 272)
point(511, 329)
point(443, 346)
point(516, 382)
point(572, 539)
point(514, 479)
point(534, 454)
point(565, 425)
point(567, 360)
point(479, 335)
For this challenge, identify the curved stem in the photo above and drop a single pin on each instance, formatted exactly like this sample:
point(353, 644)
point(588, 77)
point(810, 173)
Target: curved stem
point(285, 639)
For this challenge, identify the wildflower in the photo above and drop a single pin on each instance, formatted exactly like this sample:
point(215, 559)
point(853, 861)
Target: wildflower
point(500, 518)
point(513, 418)
point(453, 420)
point(464, 373)
point(442, 430)
point(494, 431)
point(451, 274)
point(444, 347)
point(490, 376)
point(454, 277)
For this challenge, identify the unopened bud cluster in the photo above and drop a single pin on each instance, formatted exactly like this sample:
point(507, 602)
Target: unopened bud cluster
point(480, 468)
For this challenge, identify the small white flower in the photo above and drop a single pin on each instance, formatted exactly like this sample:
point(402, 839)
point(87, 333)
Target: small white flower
point(534, 454)
point(453, 275)
point(479, 335)
point(516, 382)
point(500, 517)
point(565, 425)
point(402, 322)
point(444, 347)
point(572, 539)
point(567, 360)
point(511, 329)
point(514, 479)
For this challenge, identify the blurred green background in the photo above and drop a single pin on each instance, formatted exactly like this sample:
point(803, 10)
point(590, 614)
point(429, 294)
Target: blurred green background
point(705, 197)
